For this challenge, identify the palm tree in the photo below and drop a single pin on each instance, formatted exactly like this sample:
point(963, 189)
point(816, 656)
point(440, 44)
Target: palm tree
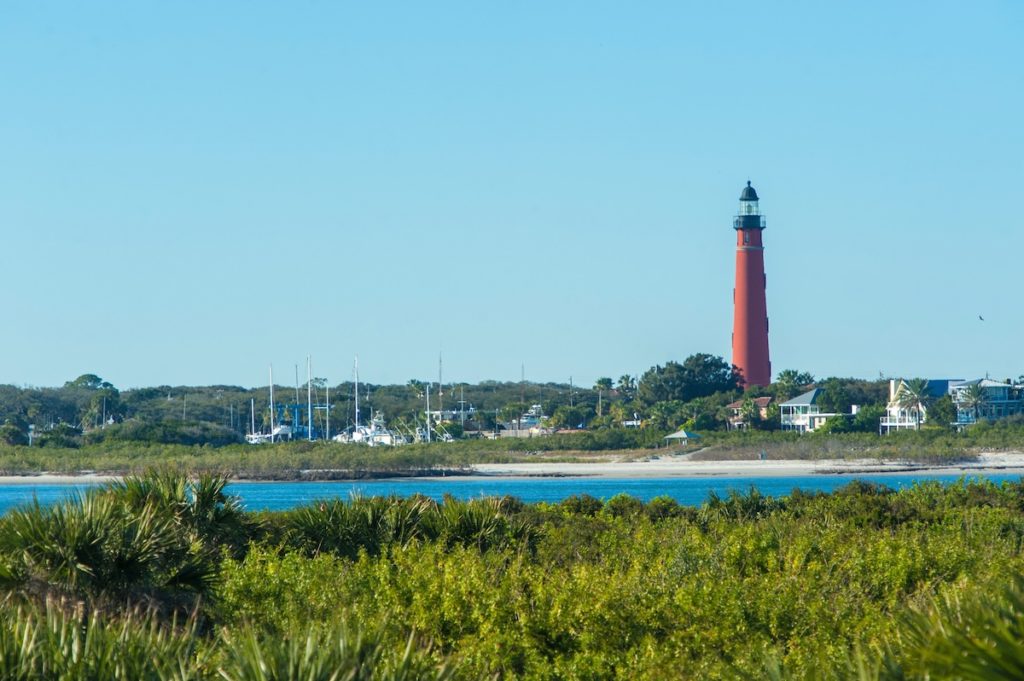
point(913, 395)
point(97, 547)
point(601, 385)
point(790, 382)
point(749, 413)
point(975, 398)
point(627, 384)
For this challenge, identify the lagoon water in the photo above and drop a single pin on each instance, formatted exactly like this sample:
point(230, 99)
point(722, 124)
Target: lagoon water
point(277, 496)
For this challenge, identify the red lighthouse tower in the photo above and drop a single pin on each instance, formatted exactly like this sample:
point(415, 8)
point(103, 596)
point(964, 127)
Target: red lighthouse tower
point(750, 314)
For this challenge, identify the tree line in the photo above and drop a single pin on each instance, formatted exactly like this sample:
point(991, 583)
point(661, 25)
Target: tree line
point(693, 394)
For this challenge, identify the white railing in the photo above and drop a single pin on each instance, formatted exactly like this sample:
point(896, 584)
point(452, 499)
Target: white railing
point(900, 421)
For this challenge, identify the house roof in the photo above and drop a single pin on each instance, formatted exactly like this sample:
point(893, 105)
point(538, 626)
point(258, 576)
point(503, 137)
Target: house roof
point(937, 387)
point(983, 382)
point(808, 398)
point(759, 402)
point(683, 434)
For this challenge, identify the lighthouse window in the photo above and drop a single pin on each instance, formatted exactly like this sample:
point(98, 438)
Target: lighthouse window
point(746, 238)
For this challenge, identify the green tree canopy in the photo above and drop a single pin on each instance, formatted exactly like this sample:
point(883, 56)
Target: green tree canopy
point(89, 382)
point(791, 382)
point(834, 397)
point(942, 412)
point(699, 375)
point(568, 417)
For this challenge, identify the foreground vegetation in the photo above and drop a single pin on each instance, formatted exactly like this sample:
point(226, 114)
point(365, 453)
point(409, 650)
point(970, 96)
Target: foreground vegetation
point(158, 577)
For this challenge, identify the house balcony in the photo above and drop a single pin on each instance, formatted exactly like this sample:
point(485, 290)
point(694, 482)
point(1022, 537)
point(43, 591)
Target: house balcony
point(901, 421)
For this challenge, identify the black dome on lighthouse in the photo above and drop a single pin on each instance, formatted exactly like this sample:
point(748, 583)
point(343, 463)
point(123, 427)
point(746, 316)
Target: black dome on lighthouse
point(748, 193)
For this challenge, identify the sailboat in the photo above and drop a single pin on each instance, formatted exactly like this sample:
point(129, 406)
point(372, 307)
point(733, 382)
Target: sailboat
point(259, 438)
point(376, 433)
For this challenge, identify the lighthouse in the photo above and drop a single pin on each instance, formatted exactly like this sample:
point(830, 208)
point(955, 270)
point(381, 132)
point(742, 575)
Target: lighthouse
point(750, 308)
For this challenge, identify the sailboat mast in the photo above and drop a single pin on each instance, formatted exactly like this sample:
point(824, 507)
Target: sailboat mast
point(309, 398)
point(356, 369)
point(252, 414)
point(327, 430)
point(428, 412)
point(271, 402)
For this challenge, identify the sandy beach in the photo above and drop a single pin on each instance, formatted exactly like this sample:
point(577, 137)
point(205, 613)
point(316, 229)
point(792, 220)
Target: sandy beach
point(56, 479)
point(671, 466)
point(682, 467)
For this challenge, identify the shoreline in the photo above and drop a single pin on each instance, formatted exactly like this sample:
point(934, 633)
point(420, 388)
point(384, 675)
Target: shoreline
point(673, 466)
point(1010, 463)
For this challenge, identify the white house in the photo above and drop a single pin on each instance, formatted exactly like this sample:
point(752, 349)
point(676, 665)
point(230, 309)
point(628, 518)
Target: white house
point(901, 415)
point(802, 413)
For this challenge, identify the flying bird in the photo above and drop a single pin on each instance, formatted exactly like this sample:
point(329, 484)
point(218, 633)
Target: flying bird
point(981, 318)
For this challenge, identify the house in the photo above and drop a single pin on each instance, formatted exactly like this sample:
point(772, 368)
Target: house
point(738, 421)
point(802, 413)
point(984, 399)
point(903, 411)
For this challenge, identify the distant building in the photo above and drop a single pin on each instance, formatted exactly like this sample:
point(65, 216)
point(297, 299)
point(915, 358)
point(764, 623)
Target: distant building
point(802, 413)
point(985, 400)
point(529, 424)
point(903, 415)
point(737, 421)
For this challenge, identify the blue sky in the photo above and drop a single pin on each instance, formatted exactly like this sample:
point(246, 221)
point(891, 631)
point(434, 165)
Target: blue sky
point(190, 191)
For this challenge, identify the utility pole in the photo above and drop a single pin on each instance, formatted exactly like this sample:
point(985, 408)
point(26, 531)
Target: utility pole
point(428, 412)
point(271, 402)
point(309, 398)
point(462, 406)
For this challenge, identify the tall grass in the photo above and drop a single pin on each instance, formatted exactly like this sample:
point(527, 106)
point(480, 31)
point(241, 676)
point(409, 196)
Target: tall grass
point(59, 644)
point(371, 524)
point(54, 643)
point(318, 653)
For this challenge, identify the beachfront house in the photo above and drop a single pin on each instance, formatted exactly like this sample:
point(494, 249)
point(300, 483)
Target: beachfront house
point(908, 410)
point(985, 400)
point(802, 413)
point(740, 412)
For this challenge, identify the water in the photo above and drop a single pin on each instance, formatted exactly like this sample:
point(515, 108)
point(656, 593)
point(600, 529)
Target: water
point(277, 496)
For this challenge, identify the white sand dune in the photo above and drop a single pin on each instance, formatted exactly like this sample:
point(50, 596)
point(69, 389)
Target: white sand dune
point(680, 466)
point(666, 467)
point(55, 479)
